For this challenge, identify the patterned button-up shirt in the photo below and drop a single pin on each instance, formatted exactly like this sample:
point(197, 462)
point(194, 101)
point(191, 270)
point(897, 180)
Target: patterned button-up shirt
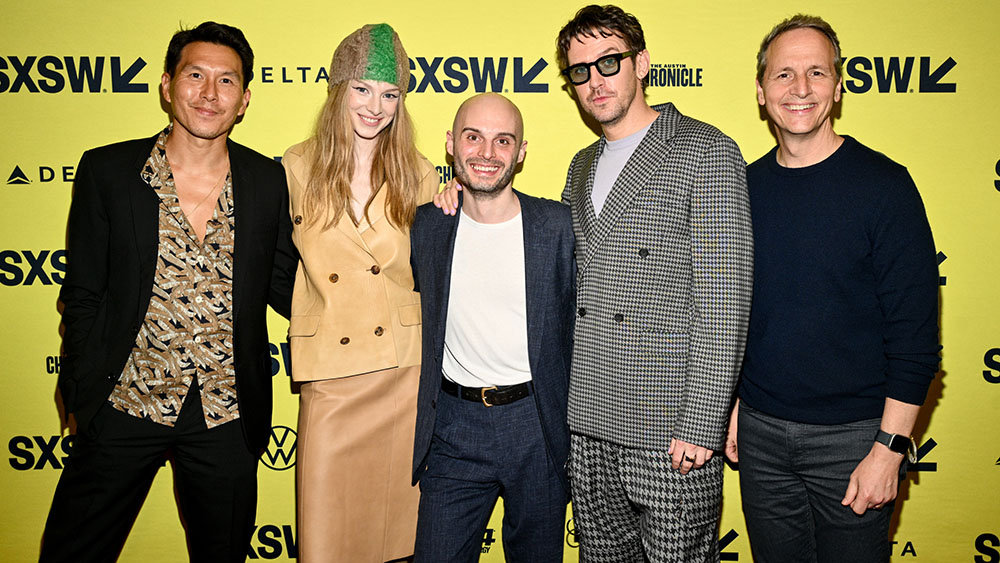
point(187, 335)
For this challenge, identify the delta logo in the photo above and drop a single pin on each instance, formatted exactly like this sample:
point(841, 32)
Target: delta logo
point(898, 75)
point(49, 74)
point(46, 174)
point(440, 74)
point(674, 75)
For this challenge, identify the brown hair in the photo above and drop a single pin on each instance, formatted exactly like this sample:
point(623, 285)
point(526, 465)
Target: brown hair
point(606, 21)
point(799, 21)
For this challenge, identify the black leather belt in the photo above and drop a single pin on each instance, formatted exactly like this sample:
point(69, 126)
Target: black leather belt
point(489, 396)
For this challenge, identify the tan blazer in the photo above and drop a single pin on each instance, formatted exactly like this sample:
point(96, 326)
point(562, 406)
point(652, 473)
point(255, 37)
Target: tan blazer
point(354, 310)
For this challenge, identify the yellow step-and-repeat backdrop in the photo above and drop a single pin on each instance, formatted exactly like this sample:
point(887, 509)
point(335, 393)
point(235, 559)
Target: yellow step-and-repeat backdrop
point(921, 82)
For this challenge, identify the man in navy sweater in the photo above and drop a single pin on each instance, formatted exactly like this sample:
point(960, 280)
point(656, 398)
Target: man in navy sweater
point(843, 336)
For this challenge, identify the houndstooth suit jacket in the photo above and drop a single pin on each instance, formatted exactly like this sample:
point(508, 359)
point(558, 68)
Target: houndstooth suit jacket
point(664, 286)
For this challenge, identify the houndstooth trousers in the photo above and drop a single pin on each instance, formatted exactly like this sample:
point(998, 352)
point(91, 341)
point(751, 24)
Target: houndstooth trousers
point(630, 506)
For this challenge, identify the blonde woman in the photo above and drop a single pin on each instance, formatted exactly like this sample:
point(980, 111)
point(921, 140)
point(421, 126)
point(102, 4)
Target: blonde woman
point(355, 326)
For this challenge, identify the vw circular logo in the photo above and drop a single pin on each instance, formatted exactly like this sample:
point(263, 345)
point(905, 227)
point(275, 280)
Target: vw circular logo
point(280, 453)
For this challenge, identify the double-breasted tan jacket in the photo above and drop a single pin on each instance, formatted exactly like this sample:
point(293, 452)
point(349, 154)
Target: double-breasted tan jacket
point(354, 310)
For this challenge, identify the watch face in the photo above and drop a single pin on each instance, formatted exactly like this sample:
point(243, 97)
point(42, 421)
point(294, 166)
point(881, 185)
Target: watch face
point(903, 445)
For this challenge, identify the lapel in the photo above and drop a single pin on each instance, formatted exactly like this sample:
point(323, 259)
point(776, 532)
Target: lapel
point(537, 274)
point(376, 213)
point(144, 204)
point(581, 198)
point(447, 233)
point(344, 226)
point(244, 203)
point(633, 178)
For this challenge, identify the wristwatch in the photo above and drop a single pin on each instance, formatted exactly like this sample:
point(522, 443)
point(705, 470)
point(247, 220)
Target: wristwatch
point(903, 445)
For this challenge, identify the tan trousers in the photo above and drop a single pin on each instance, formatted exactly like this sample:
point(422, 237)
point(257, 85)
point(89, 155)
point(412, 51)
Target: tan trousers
point(355, 450)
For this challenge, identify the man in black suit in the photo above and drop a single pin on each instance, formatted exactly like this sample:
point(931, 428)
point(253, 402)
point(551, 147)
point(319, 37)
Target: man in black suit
point(496, 285)
point(176, 244)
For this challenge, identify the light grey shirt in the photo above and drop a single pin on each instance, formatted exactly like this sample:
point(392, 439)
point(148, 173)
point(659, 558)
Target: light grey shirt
point(610, 165)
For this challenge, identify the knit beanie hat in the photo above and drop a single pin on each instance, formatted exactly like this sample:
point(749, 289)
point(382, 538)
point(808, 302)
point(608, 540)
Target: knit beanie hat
point(373, 52)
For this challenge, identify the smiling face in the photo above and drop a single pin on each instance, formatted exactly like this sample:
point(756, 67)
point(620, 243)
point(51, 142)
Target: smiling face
point(609, 99)
point(372, 105)
point(486, 144)
point(205, 93)
point(800, 85)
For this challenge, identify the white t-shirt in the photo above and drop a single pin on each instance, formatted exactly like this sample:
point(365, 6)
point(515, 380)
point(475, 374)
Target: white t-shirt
point(486, 335)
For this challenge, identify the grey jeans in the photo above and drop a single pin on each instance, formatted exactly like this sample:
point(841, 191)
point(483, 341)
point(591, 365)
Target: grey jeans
point(792, 479)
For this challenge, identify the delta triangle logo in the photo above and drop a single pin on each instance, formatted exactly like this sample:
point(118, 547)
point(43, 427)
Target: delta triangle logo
point(17, 177)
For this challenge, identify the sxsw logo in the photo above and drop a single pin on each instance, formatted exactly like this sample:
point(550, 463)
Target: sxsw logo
point(39, 452)
point(282, 352)
point(896, 74)
point(941, 257)
point(674, 75)
point(27, 267)
point(988, 546)
point(50, 74)
point(992, 361)
point(724, 542)
point(922, 451)
point(280, 452)
point(481, 74)
point(46, 174)
point(271, 541)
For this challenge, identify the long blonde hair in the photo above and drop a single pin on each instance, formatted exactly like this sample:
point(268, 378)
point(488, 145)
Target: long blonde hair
point(330, 155)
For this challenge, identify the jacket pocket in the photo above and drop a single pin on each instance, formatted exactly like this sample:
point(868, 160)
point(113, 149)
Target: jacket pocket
point(409, 315)
point(303, 325)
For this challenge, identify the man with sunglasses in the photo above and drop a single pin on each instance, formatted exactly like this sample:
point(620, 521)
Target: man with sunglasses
point(665, 255)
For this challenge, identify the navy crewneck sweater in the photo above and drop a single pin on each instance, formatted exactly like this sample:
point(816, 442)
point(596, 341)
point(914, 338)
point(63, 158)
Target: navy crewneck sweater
point(844, 307)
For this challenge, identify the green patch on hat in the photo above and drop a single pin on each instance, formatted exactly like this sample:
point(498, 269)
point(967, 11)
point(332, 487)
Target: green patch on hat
point(381, 54)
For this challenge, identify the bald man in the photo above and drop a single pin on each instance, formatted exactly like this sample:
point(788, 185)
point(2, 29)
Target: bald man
point(497, 289)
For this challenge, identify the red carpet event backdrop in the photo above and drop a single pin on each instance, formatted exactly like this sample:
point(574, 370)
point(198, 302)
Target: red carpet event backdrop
point(920, 82)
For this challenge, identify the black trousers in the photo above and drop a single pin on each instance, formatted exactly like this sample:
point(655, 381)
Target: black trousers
point(111, 468)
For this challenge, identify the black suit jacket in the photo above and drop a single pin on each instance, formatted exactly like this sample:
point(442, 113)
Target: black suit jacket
point(112, 241)
point(550, 282)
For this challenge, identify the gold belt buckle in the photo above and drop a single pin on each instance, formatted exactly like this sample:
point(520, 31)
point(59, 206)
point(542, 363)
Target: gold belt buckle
point(483, 394)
